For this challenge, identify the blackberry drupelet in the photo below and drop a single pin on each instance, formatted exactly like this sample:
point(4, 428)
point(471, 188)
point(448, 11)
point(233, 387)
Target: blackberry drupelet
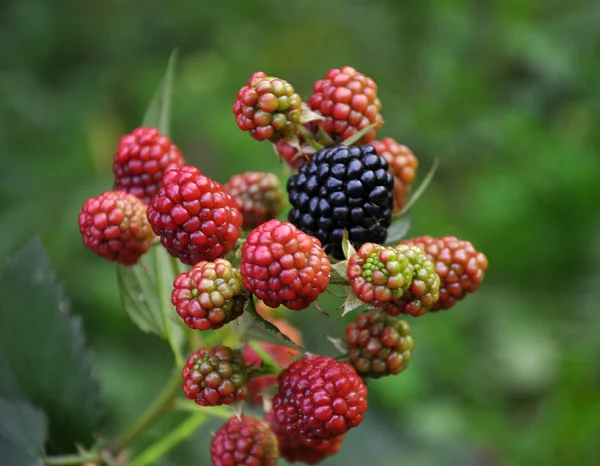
point(343, 188)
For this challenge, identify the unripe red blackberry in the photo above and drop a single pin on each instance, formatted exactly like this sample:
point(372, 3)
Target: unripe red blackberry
point(319, 398)
point(348, 102)
point(460, 266)
point(194, 216)
point(293, 447)
point(403, 166)
point(423, 292)
point(209, 295)
point(246, 441)
point(215, 376)
point(260, 196)
point(283, 265)
point(114, 226)
point(378, 344)
point(142, 159)
point(294, 157)
point(267, 107)
point(379, 274)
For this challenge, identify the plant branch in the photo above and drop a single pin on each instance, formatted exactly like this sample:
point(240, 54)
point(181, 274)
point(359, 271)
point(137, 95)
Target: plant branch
point(219, 412)
point(71, 460)
point(163, 403)
point(171, 440)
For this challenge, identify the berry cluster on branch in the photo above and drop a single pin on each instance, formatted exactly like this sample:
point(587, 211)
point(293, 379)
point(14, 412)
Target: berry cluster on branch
point(346, 190)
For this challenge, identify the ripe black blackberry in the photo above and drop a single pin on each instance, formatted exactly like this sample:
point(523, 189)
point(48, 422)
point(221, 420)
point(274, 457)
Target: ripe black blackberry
point(343, 188)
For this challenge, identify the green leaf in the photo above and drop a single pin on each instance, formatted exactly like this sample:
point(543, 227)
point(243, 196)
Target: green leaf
point(158, 114)
point(252, 327)
point(356, 137)
point(9, 387)
point(398, 229)
point(44, 346)
point(145, 290)
point(22, 434)
point(422, 187)
point(347, 247)
point(351, 303)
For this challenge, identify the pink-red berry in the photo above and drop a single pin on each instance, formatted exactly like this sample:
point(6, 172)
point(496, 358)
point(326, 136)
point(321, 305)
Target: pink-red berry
point(247, 441)
point(260, 196)
point(348, 102)
point(267, 107)
point(319, 398)
point(194, 216)
point(142, 159)
point(293, 447)
point(209, 295)
point(283, 265)
point(403, 166)
point(114, 226)
point(460, 266)
point(215, 376)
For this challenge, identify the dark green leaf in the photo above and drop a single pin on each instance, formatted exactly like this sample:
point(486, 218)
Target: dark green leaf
point(9, 387)
point(44, 347)
point(252, 326)
point(398, 229)
point(22, 434)
point(158, 114)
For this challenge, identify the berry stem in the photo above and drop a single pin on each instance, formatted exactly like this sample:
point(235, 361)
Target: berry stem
point(171, 440)
point(161, 405)
point(274, 368)
point(219, 412)
point(68, 460)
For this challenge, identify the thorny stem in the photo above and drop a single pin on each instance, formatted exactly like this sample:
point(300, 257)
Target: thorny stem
point(163, 403)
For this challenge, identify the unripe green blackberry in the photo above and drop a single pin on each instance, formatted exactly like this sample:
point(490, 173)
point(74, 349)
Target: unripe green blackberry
point(209, 295)
point(260, 196)
point(267, 107)
point(379, 274)
point(378, 344)
point(424, 289)
point(215, 376)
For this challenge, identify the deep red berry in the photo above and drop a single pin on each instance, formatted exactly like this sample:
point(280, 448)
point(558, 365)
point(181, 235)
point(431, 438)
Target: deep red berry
point(114, 226)
point(293, 156)
point(259, 194)
point(460, 266)
point(423, 291)
point(267, 107)
point(142, 159)
point(246, 441)
point(348, 101)
point(294, 447)
point(283, 265)
point(209, 295)
point(215, 376)
point(378, 344)
point(403, 166)
point(194, 216)
point(319, 398)
point(379, 274)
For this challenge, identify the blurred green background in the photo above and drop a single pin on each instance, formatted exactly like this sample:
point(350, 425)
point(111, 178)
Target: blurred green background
point(504, 92)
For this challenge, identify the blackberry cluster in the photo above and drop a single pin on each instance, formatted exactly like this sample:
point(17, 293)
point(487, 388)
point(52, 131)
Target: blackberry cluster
point(343, 188)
